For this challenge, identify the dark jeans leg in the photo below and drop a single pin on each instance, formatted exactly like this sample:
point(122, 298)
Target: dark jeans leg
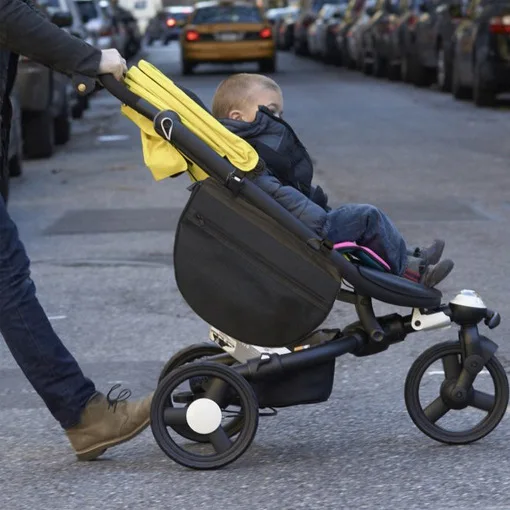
point(370, 227)
point(37, 349)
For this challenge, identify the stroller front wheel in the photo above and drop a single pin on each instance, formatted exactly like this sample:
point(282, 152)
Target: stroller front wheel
point(448, 402)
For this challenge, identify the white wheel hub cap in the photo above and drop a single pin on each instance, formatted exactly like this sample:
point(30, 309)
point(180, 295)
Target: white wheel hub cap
point(203, 416)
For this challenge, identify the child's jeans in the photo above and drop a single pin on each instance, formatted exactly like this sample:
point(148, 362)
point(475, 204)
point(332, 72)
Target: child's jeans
point(370, 227)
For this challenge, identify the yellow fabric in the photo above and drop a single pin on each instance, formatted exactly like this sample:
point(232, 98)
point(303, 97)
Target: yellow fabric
point(162, 158)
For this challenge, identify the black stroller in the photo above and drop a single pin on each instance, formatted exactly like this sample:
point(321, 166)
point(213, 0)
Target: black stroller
point(265, 283)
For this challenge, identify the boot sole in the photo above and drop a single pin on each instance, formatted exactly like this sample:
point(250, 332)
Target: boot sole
point(98, 449)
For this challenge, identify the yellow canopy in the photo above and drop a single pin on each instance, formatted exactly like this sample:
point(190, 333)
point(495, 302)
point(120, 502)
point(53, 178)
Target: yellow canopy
point(162, 158)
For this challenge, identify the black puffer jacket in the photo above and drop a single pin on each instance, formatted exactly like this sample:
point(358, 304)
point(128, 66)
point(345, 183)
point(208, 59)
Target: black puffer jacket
point(23, 31)
point(282, 151)
point(288, 171)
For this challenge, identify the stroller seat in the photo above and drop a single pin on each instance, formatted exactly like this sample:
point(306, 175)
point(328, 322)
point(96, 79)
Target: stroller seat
point(242, 262)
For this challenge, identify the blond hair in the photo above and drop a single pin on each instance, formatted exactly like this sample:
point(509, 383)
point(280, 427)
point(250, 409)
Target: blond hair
point(236, 91)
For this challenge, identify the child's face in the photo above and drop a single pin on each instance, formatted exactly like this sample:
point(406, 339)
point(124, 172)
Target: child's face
point(260, 96)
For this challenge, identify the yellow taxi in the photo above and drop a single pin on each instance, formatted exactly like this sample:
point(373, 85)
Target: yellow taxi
point(227, 31)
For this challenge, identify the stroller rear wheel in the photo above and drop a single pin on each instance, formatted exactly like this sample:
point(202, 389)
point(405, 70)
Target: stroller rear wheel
point(204, 416)
point(493, 403)
point(187, 355)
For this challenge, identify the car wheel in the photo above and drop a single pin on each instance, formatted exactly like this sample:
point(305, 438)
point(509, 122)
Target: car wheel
point(38, 135)
point(15, 166)
point(394, 72)
point(483, 93)
point(186, 67)
point(444, 73)
point(422, 76)
point(63, 126)
point(267, 65)
point(379, 66)
point(459, 91)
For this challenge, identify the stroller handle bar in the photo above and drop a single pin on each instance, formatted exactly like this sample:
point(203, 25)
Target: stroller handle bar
point(123, 94)
point(168, 125)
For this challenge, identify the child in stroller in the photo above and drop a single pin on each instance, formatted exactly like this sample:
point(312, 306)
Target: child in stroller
point(251, 106)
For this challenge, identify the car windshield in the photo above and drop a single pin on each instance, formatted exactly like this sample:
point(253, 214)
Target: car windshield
point(177, 15)
point(227, 14)
point(87, 10)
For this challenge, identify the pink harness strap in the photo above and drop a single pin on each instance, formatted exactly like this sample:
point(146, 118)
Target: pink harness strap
point(354, 246)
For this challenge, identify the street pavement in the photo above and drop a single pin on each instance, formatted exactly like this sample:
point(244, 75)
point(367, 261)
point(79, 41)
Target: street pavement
point(100, 232)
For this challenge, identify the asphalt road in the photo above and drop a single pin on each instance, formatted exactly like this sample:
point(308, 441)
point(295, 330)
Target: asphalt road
point(100, 234)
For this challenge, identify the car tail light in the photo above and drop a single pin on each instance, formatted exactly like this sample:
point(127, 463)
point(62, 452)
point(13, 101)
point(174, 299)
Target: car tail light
point(266, 33)
point(500, 25)
point(170, 22)
point(106, 32)
point(192, 35)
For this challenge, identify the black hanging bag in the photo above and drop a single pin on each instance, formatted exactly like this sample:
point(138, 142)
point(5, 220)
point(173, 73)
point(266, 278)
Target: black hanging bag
point(246, 275)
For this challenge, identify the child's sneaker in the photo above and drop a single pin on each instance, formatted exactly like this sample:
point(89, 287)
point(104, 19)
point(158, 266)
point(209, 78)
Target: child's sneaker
point(434, 274)
point(432, 254)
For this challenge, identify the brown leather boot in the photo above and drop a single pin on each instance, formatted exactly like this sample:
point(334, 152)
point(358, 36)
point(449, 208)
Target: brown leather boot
point(108, 422)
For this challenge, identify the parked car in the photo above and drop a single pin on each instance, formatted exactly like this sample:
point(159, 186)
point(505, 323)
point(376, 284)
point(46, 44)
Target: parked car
point(175, 19)
point(278, 13)
point(305, 18)
point(78, 104)
point(355, 35)
point(321, 39)
point(154, 30)
point(44, 100)
point(100, 23)
point(227, 32)
point(132, 38)
point(432, 50)
point(355, 9)
point(401, 40)
point(376, 38)
point(481, 51)
point(285, 30)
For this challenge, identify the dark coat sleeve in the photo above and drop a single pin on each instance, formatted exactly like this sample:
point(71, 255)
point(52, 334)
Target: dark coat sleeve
point(25, 32)
point(311, 214)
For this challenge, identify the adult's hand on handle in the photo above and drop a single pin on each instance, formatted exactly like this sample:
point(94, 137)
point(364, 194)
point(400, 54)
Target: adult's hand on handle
point(112, 63)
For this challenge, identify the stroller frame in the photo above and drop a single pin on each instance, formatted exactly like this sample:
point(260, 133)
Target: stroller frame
point(226, 372)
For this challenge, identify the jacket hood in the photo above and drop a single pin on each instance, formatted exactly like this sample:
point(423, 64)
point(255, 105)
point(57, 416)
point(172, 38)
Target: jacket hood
point(264, 124)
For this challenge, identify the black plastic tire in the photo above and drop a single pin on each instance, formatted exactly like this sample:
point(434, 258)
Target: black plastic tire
point(62, 125)
point(248, 402)
point(483, 94)
point(459, 91)
point(417, 414)
point(189, 355)
point(38, 135)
